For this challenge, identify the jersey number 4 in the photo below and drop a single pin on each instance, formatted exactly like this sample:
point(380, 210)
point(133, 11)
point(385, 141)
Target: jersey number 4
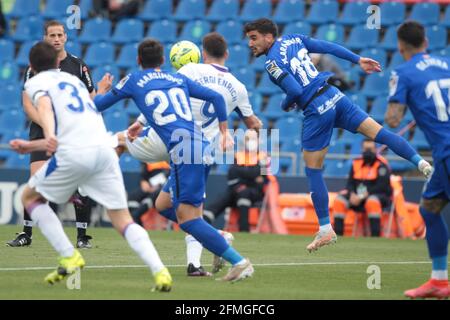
point(161, 101)
point(434, 89)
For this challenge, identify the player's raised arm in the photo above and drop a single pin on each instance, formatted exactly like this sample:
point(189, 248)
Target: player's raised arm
point(105, 98)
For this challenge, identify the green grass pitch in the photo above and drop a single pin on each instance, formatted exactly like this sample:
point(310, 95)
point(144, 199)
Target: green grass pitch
point(283, 269)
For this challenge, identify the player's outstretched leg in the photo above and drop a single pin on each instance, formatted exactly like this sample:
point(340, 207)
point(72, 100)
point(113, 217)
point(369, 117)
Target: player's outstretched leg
point(140, 242)
point(373, 130)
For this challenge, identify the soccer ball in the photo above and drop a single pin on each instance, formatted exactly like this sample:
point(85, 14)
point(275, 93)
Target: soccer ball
point(184, 52)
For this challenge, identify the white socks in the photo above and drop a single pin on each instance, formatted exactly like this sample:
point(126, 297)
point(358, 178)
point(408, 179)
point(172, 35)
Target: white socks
point(193, 251)
point(439, 274)
point(44, 217)
point(325, 228)
point(140, 242)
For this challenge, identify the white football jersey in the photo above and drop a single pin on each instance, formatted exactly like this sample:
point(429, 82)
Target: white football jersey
point(78, 124)
point(219, 79)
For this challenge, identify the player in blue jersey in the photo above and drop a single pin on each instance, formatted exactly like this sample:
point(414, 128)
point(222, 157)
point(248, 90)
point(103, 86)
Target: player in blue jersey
point(163, 98)
point(422, 83)
point(323, 106)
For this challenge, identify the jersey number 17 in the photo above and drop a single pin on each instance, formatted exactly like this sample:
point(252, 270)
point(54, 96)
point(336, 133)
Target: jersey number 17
point(434, 89)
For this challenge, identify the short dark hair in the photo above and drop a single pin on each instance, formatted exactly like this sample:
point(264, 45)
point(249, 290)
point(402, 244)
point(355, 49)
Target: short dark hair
point(53, 23)
point(411, 33)
point(151, 53)
point(215, 45)
point(43, 56)
point(366, 140)
point(263, 25)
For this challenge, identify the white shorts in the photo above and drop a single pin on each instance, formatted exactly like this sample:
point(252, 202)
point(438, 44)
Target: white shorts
point(94, 171)
point(148, 148)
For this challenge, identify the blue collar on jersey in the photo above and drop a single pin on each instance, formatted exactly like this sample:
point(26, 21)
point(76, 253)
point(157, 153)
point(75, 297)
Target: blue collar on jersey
point(419, 54)
point(219, 67)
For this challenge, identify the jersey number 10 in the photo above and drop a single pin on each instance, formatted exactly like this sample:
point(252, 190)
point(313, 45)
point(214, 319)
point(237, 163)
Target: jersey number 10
point(434, 89)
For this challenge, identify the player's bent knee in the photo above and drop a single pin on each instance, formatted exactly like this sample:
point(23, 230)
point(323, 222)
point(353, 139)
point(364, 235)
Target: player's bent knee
point(30, 196)
point(434, 205)
point(120, 218)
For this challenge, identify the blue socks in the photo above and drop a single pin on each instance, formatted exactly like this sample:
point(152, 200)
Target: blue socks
point(437, 238)
point(399, 145)
point(211, 239)
point(319, 194)
point(170, 214)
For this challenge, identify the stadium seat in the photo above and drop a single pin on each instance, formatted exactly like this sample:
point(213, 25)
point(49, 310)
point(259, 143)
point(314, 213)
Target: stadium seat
point(28, 29)
point(437, 37)
point(17, 161)
point(127, 31)
point(190, 9)
point(362, 38)
point(289, 127)
point(12, 119)
point(446, 20)
point(164, 30)
point(442, 52)
point(426, 13)
point(6, 50)
point(98, 54)
point(298, 27)
point(376, 84)
point(222, 10)
point(398, 165)
point(291, 145)
point(239, 56)
point(419, 141)
point(247, 76)
point(376, 54)
point(231, 30)
point(354, 78)
point(345, 65)
point(258, 64)
point(256, 101)
point(24, 8)
point(129, 164)
point(379, 107)
point(22, 56)
point(127, 56)
point(11, 95)
point(273, 109)
point(85, 8)
point(321, 12)
point(350, 138)
point(256, 9)
point(396, 60)
point(95, 30)
point(336, 168)
point(288, 11)
point(337, 147)
point(156, 10)
point(99, 72)
point(116, 121)
point(390, 39)
point(167, 65)
point(9, 74)
point(55, 8)
point(331, 32)
point(73, 48)
point(393, 13)
point(195, 30)
point(354, 13)
point(360, 100)
point(266, 87)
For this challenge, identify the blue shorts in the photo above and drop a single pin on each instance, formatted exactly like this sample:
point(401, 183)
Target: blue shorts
point(187, 184)
point(439, 184)
point(330, 110)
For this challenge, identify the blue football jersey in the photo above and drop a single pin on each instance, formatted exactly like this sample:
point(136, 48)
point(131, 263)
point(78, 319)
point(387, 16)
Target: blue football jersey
point(423, 84)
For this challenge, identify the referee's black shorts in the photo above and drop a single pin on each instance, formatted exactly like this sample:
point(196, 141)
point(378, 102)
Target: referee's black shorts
point(37, 133)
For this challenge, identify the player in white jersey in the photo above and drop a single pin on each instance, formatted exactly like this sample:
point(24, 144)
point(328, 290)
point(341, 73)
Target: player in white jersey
point(149, 147)
point(82, 158)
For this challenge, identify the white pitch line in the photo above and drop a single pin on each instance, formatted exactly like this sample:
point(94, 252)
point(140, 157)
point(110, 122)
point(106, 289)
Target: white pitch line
point(281, 264)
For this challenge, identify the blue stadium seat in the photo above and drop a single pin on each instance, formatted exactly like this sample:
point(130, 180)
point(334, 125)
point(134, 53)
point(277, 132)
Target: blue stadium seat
point(195, 30)
point(129, 164)
point(337, 147)
point(345, 65)
point(442, 52)
point(222, 10)
point(258, 64)
point(25, 8)
point(390, 39)
point(392, 13)
point(167, 65)
point(446, 20)
point(29, 28)
point(55, 8)
point(289, 127)
point(127, 56)
point(291, 145)
point(362, 38)
point(376, 84)
point(256, 9)
point(73, 48)
point(9, 74)
point(398, 165)
point(247, 76)
point(95, 30)
point(11, 135)
point(298, 27)
point(98, 54)
point(12, 119)
point(6, 50)
point(273, 109)
point(190, 9)
point(354, 13)
point(331, 32)
point(128, 30)
point(354, 77)
point(376, 54)
point(163, 30)
point(116, 121)
point(323, 12)
point(22, 56)
point(11, 96)
point(156, 10)
point(266, 87)
point(239, 56)
point(231, 30)
point(289, 11)
point(360, 100)
point(336, 168)
point(379, 107)
point(18, 161)
point(437, 37)
point(396, 60)
point(419, 141)
point(350, 138)
point(85, 8)
point(426, 13)
point(256, 101)
point(99, 72)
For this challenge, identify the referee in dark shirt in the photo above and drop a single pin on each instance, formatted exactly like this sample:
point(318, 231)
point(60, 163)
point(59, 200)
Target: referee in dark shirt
point(55, 35)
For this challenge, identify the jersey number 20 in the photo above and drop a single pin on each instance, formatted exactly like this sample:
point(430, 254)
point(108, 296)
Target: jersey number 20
point(162, 100)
